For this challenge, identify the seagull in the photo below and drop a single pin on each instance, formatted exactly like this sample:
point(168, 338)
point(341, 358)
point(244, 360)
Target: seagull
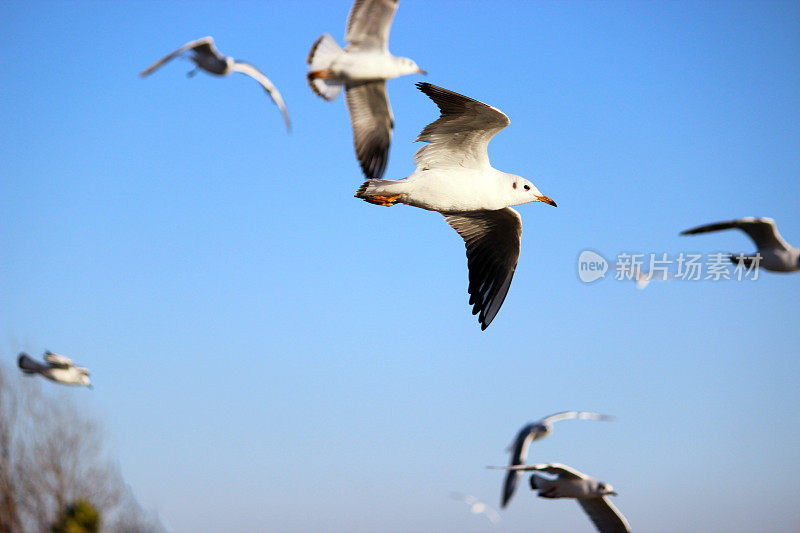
point(58, 368)
point(641, 277)
point(535, 431)
point(776, 254)
point(206, 56)
point(476, 506)
point(362, 68)
point(454, 176)
point(590, 493)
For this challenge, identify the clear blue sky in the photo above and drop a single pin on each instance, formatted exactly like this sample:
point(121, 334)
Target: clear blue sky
point(271, 354)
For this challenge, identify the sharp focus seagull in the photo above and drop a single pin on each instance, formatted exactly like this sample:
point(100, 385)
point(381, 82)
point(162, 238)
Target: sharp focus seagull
point(535, 431)
point(56, 368)
point(776, 254)
point(206, 56)
point(590, 493)
point(476, 506)
point(454, 177)
point(362, 68)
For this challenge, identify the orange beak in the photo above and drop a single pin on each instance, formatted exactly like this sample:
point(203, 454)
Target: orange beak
point(420, 71)
point(546, 200)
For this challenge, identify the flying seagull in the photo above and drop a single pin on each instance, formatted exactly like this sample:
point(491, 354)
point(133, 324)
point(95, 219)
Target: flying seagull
point(56, 368)
point(454, 176)
point(362, 68)
point(590, 493)
point(206, 56)
point(776, 254)
point(642, 278)
point(535, 431)
point(476, 506)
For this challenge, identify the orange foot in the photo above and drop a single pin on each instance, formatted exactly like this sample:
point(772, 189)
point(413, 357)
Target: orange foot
point(387, 201)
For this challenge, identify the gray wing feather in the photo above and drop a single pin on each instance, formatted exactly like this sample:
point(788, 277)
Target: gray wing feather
point(518, 456)
point(461, 134)
point(492, 239)
point(57, 360)
point(372, 120)
point(204, 45)
point(575, 414)
point(249, 70)
point(28, 364)
point(606, 517)
point(762, 231)
point(562, 471)
point(369, 23)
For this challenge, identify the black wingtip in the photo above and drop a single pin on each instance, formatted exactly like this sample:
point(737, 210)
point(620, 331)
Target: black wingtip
point(429, 89)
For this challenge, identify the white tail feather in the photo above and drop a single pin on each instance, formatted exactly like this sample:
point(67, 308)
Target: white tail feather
point(327, 89)
point(323, 52)
point(377, 187)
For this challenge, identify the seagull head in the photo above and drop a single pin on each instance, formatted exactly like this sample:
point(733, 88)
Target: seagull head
point(523, 191)
point(606, 489)
point(408, 66)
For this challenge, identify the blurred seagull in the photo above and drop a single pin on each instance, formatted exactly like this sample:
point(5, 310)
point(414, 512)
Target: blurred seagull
point(642, 278)
point(206, 56)
point(362, 68)
point(454, 176)
point(776, 254)
point(535, 431)
point(476, 506)
point(58, 368)
point(590, 493)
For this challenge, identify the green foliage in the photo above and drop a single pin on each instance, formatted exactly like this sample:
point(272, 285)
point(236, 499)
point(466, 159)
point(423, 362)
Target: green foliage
point(78, 517)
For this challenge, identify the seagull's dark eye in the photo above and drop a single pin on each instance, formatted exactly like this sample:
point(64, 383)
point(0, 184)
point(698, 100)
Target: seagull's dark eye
point(515, 185)
point(527, 187)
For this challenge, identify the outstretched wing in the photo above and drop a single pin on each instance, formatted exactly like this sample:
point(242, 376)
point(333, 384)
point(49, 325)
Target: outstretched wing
point(606, 517)
point(206, 45)
point(585, 415)
point(460, 136)
point(519, 453)
point(492, 239)
point(58, 360)
point(369, 23)
point(762, 231)
point(372, 120)
point(253, 72)
point(28, 365)
point(557, 469)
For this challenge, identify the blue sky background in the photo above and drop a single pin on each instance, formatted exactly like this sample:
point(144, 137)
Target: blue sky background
point(271, 354)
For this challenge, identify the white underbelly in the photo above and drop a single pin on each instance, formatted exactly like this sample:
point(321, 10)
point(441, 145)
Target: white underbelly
point(445, 192)
point(360, 66)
